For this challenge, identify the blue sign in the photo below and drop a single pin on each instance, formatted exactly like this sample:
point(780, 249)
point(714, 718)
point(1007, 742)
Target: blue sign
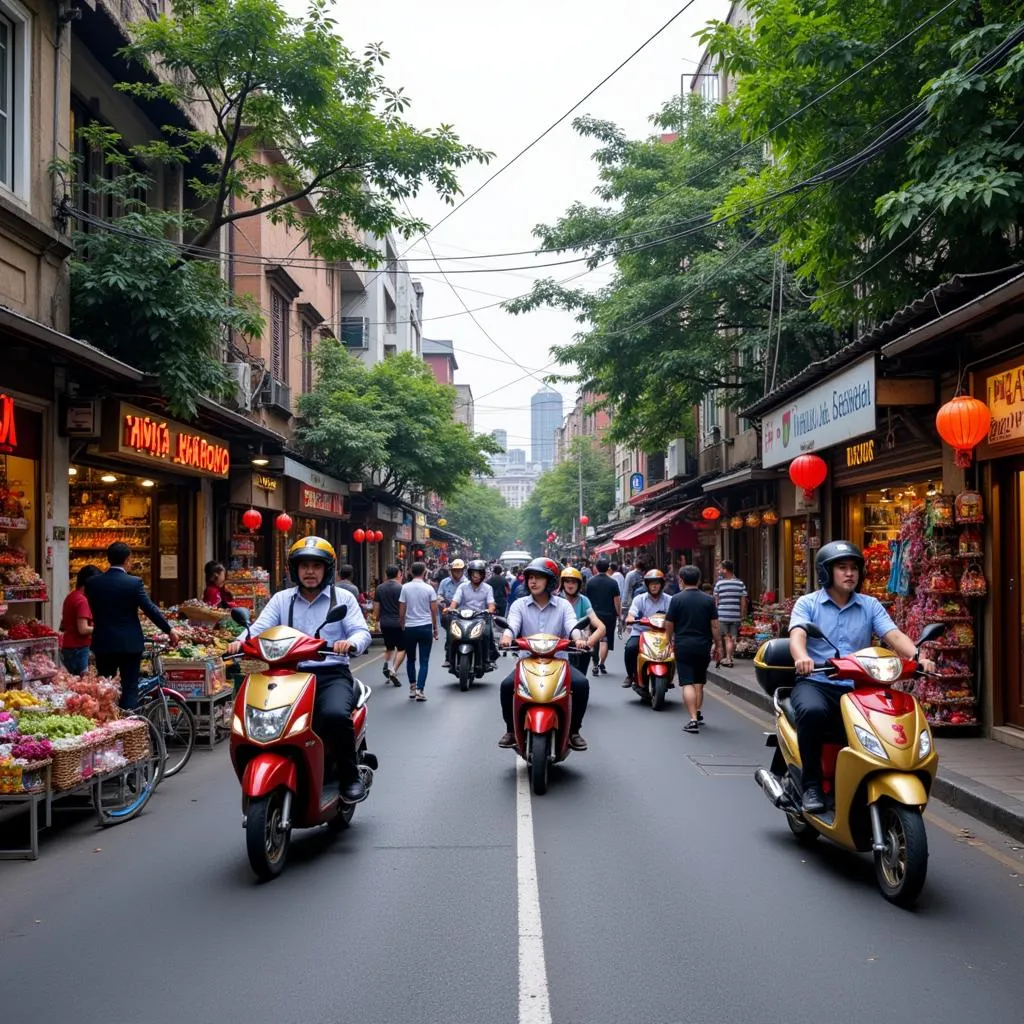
point(636, 483)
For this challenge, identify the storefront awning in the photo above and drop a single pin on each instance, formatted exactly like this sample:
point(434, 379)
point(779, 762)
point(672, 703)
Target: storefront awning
point(637, 534)
point(606, 549)
point(645, 495)
point(748, 475)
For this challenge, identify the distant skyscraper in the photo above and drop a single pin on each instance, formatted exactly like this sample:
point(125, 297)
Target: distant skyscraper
point(517, 457)
point(545, 419)
point(501, 436)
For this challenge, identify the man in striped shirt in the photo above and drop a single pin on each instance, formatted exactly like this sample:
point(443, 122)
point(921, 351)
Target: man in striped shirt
point(732, 599)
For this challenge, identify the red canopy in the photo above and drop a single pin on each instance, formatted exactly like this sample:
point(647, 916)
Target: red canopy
point(606, 549)
point(643, 532)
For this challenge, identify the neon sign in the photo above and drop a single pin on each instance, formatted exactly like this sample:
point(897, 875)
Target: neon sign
point(153, 437)
point(8, 431)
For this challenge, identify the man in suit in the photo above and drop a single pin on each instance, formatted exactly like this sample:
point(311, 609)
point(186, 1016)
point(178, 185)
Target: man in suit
point(116, 599)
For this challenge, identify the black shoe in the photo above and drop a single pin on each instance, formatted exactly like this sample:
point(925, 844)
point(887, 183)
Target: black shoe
point(596, 671)
point(811, 802)
point(446, 663)
point(700, 716)
point(692, 726)
point(604, 671)
point(627, 683)
point(508, 740)
point(353, 792)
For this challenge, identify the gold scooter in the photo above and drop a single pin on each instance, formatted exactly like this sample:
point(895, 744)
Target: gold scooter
point(655, 663)
point(876, 774)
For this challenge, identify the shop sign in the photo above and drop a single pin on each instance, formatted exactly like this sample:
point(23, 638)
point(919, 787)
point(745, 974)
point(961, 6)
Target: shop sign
point(145, 437)
point(837, 410)
point(388, 513)
point(8, 431)
point(636, 483)
point(315, 502)
point(1004, 395)
point(403, 532)
point(311, 477)
point(81, 418)
point(860, 454)
point(266, 483)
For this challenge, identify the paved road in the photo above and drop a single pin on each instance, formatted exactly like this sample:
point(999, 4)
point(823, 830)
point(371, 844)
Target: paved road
point(669, 893)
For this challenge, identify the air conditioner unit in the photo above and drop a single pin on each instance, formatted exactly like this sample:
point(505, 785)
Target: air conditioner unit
point(355, 331)
point(677, 462)
point(712, 437)
point(276, 395)
point(241, 374)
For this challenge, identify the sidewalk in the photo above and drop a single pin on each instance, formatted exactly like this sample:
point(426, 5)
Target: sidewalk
point(983, 778)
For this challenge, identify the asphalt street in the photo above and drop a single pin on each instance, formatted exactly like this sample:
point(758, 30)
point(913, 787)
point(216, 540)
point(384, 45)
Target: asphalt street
point(670, 892)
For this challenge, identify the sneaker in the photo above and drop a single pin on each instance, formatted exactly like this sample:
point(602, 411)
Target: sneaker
point(692, 726)
point(626, 683)
point(446, 663)
point(412, 691)
point(577, 742)
point(811, 802)
point(508, 740)
point(420, 695)
point(597, 671)
point(603, 670)
point(700, 716)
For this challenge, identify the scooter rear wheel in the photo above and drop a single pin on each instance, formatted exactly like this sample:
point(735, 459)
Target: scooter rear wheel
point(901, 868)
point(659, 687)
point(266, 842)
point(806, 835)
point(465, 671)
point(540, 750)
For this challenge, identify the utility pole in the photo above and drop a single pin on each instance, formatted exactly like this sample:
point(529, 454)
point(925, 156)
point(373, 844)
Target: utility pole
point(579, 466)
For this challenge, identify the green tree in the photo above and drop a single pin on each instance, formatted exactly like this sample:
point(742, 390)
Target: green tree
point(481, 515)
point(390, 423)
point(945, 198)
point(133, 296)
point(555, 502)
point(687, 294)
point(266, 82)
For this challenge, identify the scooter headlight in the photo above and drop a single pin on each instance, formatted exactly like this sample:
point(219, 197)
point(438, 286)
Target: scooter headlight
point(885, 670)
point(870, 742)
point(467, 613)
point(476, 631)
point(543, 646)
point(273, 650)
point(456, 629)
point(924, 745)
point(264, 726)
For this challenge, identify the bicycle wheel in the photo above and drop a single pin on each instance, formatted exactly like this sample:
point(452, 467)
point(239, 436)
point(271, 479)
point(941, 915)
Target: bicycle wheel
point(176, 723)
point(123, 796)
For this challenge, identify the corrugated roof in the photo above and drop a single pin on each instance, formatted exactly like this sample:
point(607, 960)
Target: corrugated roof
point(942, 299)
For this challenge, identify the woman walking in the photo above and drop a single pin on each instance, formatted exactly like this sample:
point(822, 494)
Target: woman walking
point(417, 617)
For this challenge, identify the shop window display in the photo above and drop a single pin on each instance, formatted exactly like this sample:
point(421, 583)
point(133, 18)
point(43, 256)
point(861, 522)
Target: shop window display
point(247, 580)
point(19, 578)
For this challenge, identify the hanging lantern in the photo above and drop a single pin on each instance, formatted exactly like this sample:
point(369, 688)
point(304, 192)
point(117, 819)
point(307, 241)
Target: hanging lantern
point(359, 536)
point(963, 424)
point(444, 522)
point(380, 536)
point(710, 514)
point(251, 519)
point(769, 517)
point(753, 520)
point(584, 520)
point(809, 472)
point(736, 522)
point(283, 523)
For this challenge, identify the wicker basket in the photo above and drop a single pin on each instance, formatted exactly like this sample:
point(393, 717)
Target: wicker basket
point(35, 776)
point(136, 741)
point(196, 614)
point(71, 765)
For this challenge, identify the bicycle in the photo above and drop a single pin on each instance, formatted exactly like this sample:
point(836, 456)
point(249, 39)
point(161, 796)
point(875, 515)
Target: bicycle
point(170, 714)
point(123, 796)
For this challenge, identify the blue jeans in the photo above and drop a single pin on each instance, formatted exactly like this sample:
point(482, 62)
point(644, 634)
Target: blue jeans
point(422, 638)
point(76, 659)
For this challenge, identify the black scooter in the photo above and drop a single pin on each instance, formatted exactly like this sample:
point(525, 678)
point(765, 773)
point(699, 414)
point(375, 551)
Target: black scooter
point(469, 645)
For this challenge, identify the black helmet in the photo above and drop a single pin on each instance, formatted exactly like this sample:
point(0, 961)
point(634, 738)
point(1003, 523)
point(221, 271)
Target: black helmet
point(545, 567)
point(312, 549)
point(837, 551)
point(477, 565)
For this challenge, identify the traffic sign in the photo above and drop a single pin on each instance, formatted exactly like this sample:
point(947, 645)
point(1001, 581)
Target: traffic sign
point(636, 483)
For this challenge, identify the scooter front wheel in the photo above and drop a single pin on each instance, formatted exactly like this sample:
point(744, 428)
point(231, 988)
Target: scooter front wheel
point(540, 751)
point(902, 866)
point(465, 671)
point(659, 687)
point(266, 842)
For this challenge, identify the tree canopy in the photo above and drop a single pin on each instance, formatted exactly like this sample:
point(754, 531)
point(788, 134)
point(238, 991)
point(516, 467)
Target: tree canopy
point(264, 82)
point(687, 291)
point(481, 515)
point(945, 197)
point(390, 423)
point(554, 503)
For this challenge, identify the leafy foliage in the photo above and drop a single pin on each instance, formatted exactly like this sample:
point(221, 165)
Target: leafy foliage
point(264, 82)
point(946, 199)
point(390, 423)
point(554, 504)
point(686, 293)
point(133, 296)
point(481, 515)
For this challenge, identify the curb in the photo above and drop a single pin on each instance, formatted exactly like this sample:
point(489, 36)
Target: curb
point(961, 792)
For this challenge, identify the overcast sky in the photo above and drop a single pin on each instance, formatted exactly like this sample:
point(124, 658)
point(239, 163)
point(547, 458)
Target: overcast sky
point(501, 74)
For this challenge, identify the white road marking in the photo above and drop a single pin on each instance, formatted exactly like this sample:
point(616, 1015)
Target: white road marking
point(534, 1004)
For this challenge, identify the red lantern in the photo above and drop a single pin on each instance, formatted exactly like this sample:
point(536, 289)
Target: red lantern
point(359, 536)
point(283, 523)
point(963, 423)
point(710, 514)
point(251, 519)
point(809, 472)
point(584, 520)
point(380, 536)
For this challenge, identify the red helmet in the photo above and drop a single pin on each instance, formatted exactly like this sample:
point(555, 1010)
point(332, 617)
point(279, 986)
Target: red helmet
point(546, 567)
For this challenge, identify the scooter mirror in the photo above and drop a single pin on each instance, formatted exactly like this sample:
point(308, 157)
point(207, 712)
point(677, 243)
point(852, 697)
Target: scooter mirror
point(240, 616)
point(812, 630)
point(336, 614)
point(583, 623)
point(499, 621)
point(931, 632)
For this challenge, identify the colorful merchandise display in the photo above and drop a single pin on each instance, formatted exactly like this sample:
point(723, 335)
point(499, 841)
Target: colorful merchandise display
point(248, 583)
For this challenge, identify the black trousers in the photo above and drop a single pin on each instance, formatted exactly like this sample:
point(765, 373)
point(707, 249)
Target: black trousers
point(580, 697)
point(127, 665)
point(818, 716)
point(332, 717)
point(632, 653)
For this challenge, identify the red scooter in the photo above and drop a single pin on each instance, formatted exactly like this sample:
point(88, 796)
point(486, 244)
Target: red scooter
point(277, 756)
point(542, 703)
